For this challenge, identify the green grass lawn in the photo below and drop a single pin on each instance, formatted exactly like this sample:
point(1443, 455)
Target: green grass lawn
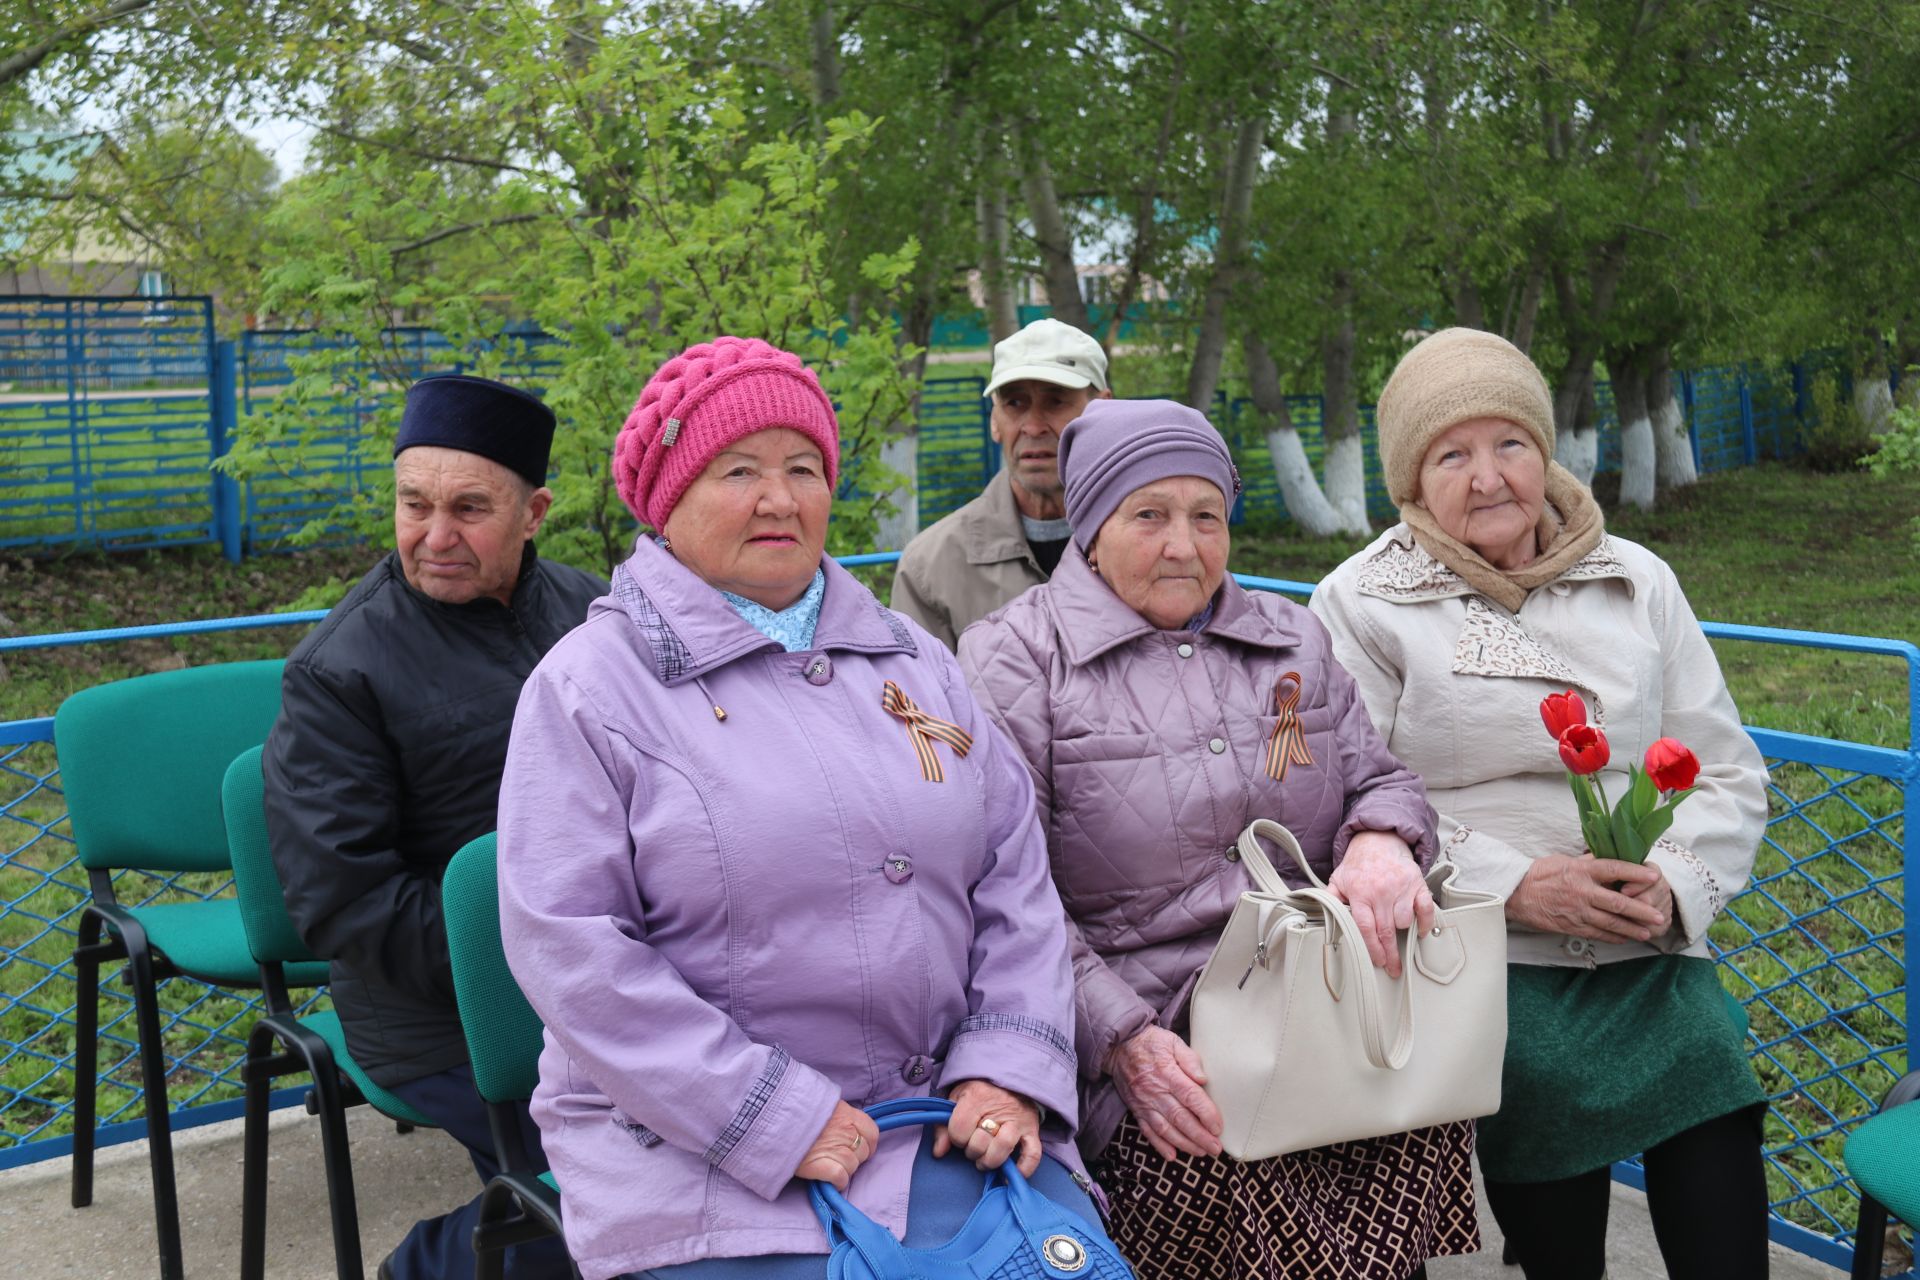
point(1772, 546)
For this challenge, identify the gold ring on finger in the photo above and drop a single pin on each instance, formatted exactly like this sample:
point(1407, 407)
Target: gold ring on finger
point(989, 1126)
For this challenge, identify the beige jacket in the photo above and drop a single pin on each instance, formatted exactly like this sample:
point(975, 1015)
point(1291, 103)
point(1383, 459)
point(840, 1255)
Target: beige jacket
point(1454, 683)
point(966, 564)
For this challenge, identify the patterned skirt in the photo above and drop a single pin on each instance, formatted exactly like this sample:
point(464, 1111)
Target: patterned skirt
point(1370, 1210)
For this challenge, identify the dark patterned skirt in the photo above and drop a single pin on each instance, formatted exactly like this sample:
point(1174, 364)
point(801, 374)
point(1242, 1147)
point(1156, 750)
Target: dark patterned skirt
point(1370, 1210)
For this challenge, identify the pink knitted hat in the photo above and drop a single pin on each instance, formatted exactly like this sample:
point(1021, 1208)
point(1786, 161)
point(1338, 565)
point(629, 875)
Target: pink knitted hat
point(703, 400)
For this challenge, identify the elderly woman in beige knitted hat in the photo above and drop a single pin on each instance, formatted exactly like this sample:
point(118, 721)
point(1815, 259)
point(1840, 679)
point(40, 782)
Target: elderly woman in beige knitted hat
point(1499, 587)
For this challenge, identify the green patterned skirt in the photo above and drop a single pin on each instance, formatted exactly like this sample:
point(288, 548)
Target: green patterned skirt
point(1604, 1063)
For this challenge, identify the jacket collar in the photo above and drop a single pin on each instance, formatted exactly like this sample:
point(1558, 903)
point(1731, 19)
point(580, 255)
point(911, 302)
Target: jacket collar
point(1399, 570)
point(691, 630)
point(991, 532)
point(1091, 620)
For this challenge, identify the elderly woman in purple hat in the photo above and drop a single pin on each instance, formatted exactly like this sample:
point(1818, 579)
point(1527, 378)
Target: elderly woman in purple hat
point(1147, 690)
point(762, 861)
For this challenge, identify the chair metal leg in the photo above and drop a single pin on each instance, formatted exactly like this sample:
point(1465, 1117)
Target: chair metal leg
point(1869, 1239)
point(153, 1080)
point(339, 1164)
point(86, 1054)
point(258, 1075)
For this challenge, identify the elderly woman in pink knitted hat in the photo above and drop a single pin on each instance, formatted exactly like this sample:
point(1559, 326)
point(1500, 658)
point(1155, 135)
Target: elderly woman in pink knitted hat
point(1161, 708)
point(763, 861)
point(1498, 588)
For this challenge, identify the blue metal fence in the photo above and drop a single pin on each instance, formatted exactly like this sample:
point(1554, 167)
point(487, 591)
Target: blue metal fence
point(112, 409)
point(1814, 949)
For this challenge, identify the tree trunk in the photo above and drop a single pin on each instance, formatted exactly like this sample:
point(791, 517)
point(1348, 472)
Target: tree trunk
point(1307, 506)
point(990, 203)
point(1636, 429)
point(1210, 346)
point(826, 62)
point(1052, 237)
point(1575, 450)
point(1520, 328)
point(902, 453)
point(1672, 442)
point(1146, 208)
point(1340, 408)
point(1872, 396)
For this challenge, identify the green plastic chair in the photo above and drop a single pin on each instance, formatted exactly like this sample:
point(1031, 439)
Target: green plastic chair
point(140, 763)
point(503, 1040)
point(284, 1043)
point(1883, 1155)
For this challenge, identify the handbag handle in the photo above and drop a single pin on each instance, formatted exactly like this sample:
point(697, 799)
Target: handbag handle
point(1372, 1018)
point(1255, 857)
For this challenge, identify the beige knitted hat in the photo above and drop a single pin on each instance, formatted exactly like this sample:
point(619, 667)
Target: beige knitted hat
point(1450, 377)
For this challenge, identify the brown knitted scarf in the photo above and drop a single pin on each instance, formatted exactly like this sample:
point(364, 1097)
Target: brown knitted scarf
point(1570, 526)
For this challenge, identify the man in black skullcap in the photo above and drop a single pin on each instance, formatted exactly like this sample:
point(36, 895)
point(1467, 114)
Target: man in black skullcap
point(387, 756)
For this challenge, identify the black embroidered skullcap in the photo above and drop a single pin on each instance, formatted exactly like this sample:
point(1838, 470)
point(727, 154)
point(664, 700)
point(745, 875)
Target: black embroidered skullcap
point(479, 415)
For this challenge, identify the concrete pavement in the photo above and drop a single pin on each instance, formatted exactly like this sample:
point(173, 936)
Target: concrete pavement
point(402, 1177)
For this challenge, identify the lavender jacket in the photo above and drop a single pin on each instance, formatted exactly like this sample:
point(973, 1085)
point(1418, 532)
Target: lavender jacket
point(1148, 750)
point(731, 922)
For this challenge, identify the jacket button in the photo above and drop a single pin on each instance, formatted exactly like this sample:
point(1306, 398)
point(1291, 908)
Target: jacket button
point(820, 670)
point(916, 1069)
point(898, 870)
point(1233, 853)
point(1217, 745)
point(1185, 651)
point(1577, 946)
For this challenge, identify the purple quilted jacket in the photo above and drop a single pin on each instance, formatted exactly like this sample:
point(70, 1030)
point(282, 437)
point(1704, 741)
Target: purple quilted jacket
point(1149, 755)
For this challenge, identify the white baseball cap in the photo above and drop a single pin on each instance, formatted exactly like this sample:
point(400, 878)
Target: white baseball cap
point(1049, 351)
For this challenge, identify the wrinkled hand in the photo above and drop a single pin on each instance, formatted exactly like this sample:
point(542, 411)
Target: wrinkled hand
point(1160, 1079)
point(1380, 880)
point(1019, 1121)
point(1656, 893)
point(1575, 896)
point(843, 1146)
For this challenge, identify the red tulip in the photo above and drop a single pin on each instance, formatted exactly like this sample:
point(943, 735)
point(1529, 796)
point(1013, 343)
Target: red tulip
point(1559, 711)
point(1671, 766)
point(1583, 748)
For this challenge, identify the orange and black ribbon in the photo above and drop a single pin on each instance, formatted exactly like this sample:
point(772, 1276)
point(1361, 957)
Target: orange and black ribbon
point(925, 730)
point(1288, 745)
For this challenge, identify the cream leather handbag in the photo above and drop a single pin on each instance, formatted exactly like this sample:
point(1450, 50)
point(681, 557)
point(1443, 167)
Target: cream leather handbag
point(1306, 1043)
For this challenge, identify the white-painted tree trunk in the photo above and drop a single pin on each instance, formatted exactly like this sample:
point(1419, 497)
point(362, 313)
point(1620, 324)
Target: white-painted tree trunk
point(901, 453)
point(1306, 505)
point(1637, 474)
point(1672, 442)
point(1578, 452)
point(1873, 401)
point(1346, 482)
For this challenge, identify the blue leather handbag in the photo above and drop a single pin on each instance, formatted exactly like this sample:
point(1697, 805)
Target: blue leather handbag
point(1014, 1233)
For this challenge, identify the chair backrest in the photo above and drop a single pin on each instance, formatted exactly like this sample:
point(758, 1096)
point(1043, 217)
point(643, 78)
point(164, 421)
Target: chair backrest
point(141, 762)
point(503, 1031)
point(263, 906)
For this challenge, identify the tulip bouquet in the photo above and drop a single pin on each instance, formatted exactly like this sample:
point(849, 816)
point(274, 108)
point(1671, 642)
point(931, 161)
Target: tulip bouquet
point(1627, 829)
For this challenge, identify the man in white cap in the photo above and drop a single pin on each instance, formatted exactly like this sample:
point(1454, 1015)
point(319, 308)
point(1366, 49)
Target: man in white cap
point(966, 565)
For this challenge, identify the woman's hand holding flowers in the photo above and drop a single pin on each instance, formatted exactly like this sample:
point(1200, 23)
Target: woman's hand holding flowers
point(1577, 897)
point(1379, 879)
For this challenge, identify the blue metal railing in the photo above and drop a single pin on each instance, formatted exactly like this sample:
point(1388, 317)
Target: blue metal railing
point(1814, 948)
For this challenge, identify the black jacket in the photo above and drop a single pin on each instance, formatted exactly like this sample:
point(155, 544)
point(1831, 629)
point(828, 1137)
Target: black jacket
point(386, 758)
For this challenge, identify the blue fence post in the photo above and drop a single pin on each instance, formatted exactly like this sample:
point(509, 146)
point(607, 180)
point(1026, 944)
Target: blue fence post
point(1749, 442)
point(223, 398)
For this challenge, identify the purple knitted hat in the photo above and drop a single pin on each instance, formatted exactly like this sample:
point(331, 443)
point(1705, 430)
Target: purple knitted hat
point(1117, 446)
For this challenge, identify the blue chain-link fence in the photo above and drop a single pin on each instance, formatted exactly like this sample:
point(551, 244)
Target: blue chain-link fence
point(1814, 949)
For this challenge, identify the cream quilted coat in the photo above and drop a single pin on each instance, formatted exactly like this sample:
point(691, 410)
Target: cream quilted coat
point(1454, 684)
point(1149, 756)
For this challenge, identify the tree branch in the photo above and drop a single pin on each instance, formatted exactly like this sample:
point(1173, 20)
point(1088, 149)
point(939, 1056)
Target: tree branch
point(447, 233)
point(23, 60)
